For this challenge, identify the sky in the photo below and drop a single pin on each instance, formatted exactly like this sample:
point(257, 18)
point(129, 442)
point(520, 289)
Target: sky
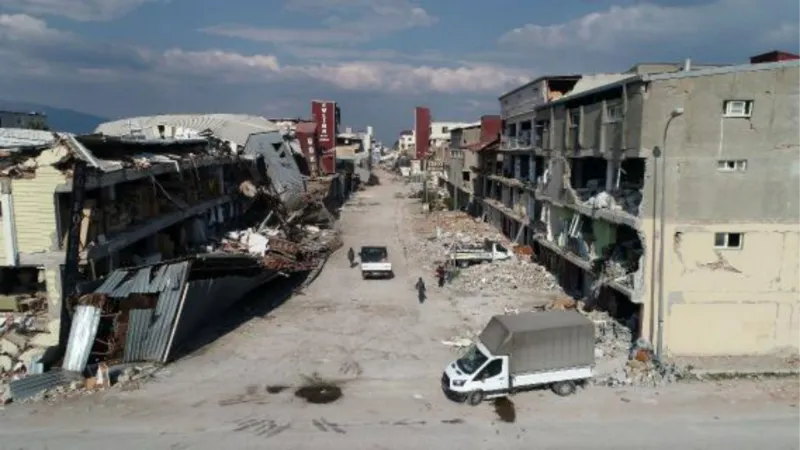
point(376, 58)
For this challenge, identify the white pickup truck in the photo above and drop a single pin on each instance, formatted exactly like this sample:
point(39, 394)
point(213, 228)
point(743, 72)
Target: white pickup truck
point(490, 251)
point(518, 352)
point(375, 263)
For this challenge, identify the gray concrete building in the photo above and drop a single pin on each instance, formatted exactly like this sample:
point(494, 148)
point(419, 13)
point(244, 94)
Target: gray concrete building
point(463, 175)
point(668, 198)
point(17, 119)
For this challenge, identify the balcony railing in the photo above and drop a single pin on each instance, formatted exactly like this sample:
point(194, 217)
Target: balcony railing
point(523, 141)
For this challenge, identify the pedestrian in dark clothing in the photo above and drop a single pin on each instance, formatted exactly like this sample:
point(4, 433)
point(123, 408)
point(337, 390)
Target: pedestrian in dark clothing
point(420, 290)
point(351, 256)
point(440, 275)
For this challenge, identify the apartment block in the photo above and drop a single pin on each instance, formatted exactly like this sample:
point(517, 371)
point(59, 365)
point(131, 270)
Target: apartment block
point(462, 165)
point(668, 198)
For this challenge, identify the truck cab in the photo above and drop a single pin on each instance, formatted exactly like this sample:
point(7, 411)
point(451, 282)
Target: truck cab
point(476, 376)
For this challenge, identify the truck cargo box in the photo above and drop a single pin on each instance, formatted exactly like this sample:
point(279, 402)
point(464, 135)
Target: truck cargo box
point(541, 341)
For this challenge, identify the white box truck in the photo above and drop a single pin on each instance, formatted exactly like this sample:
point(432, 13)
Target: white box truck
point(375, 263)
point(517, 352)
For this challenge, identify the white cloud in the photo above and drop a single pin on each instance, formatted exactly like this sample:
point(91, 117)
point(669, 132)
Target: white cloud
point(30, 40)
point(82, 10)
point(283, 35)
point(354, 76)
point(21, 27)
point(619, 28)
point(345, 22)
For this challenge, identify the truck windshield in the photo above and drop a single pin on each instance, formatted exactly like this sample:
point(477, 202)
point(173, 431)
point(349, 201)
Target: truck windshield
point(472, 360)
point(373, 254)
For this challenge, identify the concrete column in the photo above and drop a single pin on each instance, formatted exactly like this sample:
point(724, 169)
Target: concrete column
point(611, 175)
point(532, 168)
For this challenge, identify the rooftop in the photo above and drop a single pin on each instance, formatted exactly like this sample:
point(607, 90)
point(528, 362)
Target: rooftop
point(234, 128)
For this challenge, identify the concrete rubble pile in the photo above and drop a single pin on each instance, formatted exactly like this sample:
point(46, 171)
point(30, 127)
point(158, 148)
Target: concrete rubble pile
point(20, 351)
point(501, 277)
point(627, 198)
point(450, 230)
point(441, 231)
point(298, 241)
point(280, 254)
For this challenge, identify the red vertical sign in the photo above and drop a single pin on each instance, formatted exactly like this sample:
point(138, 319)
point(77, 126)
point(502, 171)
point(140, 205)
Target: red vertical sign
point(422, 126)
point(324, 114)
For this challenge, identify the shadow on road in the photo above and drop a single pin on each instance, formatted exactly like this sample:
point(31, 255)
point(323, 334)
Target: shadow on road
point(258, 303)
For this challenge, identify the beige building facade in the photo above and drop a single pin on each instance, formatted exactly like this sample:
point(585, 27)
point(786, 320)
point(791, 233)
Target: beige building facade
point(586, 187)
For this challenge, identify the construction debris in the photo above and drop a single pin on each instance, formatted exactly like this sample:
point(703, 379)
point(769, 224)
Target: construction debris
point(451, 229)
point(627, 198)
point(21, 349)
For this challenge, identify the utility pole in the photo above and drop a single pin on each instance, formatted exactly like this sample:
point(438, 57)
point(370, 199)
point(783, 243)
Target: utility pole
point(424, 166)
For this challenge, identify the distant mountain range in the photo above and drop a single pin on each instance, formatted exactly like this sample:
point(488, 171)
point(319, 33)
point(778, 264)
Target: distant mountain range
point(58, 119)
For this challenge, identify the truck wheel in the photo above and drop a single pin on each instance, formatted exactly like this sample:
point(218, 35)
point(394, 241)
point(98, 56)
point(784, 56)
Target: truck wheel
point(564, 388)
point(475, 398)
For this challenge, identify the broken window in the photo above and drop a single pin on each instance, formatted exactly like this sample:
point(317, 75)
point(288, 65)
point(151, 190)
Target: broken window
point(574, 117)
point(738, 108)
point(575, 226)
point(728, 240)
point(732, 165)
point(614, 112)
point(618, 260)
point(588, 174)
point(541, 130)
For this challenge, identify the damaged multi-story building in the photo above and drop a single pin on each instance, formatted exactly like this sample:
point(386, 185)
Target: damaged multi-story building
point(462, 171)
point(154, 189)
point(667, 195)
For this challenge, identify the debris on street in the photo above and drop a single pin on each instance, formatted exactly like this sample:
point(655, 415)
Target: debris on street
point(443, 231)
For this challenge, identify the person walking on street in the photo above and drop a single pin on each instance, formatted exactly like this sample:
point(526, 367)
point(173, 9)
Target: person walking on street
point(440, 275)
point(420, 290)
point(351, 256)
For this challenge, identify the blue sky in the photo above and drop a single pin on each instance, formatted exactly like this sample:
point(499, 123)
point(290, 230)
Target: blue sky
point(377, 58)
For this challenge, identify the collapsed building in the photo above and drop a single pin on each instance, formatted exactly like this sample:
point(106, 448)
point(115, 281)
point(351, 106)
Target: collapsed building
point(618, 192)
point(225, 200)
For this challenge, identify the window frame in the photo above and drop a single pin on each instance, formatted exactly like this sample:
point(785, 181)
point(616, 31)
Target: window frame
point(739, 165)
point(726, 238)
point(747, 109)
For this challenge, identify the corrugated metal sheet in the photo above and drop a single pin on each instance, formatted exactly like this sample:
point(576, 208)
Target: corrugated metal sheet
point(166, 312)
point(111, 282)
point(34, 384)
point(81, 337)
point(228, 127)
point(139, 321)
point(281, 166)
point(19, 138)
point(152, 333)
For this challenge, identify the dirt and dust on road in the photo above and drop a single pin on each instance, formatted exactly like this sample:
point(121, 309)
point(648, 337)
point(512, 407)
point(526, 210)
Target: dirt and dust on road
point(385, 352)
